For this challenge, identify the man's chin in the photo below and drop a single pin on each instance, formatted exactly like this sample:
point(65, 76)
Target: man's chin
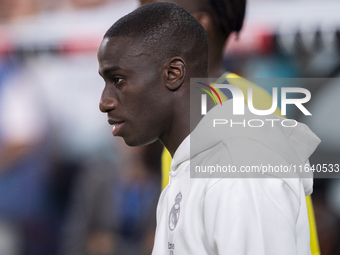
point(138, 142)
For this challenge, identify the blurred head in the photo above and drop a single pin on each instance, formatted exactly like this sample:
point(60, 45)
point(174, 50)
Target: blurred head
point(146, 60)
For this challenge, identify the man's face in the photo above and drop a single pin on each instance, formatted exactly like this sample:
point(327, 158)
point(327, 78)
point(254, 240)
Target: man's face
point(134, 96)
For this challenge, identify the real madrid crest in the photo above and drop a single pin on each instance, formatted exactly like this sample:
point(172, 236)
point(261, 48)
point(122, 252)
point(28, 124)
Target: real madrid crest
point(174, 212)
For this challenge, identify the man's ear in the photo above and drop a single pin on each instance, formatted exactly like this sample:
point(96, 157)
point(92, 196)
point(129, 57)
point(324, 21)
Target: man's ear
point(205, 19)
point(175, 73)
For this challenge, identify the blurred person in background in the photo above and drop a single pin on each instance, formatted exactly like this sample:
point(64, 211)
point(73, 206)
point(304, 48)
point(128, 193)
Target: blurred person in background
point(24, 161)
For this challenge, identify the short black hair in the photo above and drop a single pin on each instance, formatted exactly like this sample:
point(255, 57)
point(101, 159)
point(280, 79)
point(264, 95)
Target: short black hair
point(166, 30)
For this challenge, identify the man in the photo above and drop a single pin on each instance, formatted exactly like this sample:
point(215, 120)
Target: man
point(147, 59)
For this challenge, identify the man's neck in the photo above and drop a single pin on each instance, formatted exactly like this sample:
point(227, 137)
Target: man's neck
point(179, 127)
point(173, 140)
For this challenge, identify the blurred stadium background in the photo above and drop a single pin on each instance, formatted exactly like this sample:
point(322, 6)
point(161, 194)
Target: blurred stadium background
point(63, 186)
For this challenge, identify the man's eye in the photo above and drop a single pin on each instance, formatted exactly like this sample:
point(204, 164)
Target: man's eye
point(116, 80)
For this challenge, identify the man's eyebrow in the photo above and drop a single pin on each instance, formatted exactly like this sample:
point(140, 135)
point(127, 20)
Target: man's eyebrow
point(107, 71)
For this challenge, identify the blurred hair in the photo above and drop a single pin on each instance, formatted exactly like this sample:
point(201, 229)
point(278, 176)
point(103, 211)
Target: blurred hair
point(230, 13)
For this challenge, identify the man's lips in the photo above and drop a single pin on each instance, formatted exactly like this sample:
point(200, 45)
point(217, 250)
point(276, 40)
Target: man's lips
point(117, 124)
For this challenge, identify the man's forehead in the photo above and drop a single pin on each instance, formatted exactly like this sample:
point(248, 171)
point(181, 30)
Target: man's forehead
point(125, 53)
point(122, 45)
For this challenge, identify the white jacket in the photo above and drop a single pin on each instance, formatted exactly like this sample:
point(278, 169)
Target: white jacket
point(237, 216)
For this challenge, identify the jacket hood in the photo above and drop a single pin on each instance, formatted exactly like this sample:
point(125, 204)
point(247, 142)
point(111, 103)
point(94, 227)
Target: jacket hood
point(293, 141)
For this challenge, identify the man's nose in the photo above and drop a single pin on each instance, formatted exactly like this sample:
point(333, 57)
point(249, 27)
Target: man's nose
point(107, 103)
